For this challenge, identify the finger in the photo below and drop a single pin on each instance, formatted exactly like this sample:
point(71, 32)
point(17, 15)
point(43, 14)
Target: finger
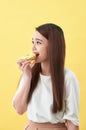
point(27, 67)
point(26, 63)
point(20, 61)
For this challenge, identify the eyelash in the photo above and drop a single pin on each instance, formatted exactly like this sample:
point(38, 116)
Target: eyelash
point(37, 42)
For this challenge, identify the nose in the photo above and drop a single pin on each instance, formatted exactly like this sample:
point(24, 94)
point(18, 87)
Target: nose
point(34, 47)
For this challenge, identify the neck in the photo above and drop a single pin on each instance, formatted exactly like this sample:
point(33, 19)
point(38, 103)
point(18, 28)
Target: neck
point(45, 69)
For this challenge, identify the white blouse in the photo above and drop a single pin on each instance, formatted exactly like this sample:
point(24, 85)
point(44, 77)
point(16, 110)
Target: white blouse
point(40, 107)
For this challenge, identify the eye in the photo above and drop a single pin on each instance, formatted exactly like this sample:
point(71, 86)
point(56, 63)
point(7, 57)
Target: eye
point(38, 42)
point(33, 42)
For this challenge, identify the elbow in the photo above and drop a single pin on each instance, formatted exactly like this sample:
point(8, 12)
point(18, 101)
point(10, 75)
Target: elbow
point(19, 109)
point(20, 112)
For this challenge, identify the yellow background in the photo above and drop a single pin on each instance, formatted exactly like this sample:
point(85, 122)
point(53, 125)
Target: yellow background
point(18, 19)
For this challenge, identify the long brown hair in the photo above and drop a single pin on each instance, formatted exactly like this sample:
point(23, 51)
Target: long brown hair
point(54, 34)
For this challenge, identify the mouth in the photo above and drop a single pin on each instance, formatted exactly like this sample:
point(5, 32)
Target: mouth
point(37, 55)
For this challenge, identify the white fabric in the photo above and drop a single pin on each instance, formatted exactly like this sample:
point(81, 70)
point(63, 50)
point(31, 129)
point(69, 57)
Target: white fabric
point(40, 107)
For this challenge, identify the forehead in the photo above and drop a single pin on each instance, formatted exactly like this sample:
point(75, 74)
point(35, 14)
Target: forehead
point(38, 35)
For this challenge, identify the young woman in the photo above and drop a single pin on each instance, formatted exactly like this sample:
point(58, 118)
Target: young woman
point(48, 91)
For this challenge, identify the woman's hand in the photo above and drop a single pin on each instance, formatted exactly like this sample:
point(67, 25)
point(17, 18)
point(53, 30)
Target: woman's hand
point(25, 66)
point(71, 126)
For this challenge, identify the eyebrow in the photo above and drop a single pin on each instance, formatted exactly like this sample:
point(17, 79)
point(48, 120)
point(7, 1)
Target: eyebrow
point(38, 39)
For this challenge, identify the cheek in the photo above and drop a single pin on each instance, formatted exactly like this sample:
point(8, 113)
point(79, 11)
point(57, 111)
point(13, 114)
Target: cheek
point(45, 52)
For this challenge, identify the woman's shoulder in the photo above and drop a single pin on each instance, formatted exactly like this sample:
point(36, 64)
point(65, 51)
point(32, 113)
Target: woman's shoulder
point(69, 73)
point(70, 77)
point(71, 84)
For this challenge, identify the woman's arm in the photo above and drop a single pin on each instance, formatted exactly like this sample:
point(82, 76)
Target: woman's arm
point(72, 101)
point(20, 98)
point(71, 126)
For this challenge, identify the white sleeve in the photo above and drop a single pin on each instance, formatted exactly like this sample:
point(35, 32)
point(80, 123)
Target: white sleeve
point(72, 99)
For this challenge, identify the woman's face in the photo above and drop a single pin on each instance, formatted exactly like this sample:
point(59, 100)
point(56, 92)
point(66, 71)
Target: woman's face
point(40, 47)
